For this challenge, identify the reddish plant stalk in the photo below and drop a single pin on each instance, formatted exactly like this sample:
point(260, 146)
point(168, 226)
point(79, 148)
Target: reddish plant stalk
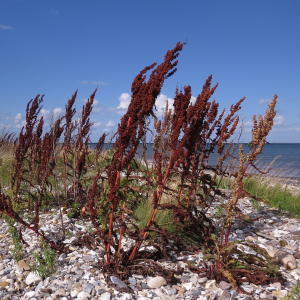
point(33, 229)
point(153, 212)
point(111, 227)
point(123, 212)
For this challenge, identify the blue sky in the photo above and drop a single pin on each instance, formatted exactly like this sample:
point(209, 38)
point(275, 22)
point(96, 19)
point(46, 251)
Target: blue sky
point(55, 47)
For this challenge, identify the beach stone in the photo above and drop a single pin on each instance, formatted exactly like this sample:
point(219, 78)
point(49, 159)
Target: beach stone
point(157, 282)
point(33, 278)
point(276, 285)
point(59, 293)
point(194, 279)
point(22, 263)
point(144, 285)
point(86, 276)
point(185, 277)
point(75, 292)
point(225, 296)
point(88, 288)
point(233, 294)
point(39, 286)
point(126, 297)
point(282, 243)
point(118, 282)
point(162, 295)
point(297, 255)
point(280, 294)
point(290, 248)
point(84, 295)
point(272, 253)
point(62, 256)
point(4, 283)
point(224, 285)
point(211, 284)
point(132, 280)
point(187, 285)
point(212, 296)
point(195, 292)
point(29, 295)
point(143, 298)
point(170, 291)
point(248, 288)
point(179, 288)
point(10, 281)
point(88, 258)
point(286, 259)
point(46, 291)
point(202, 279)
point(251, 238)
point(105, 296)
point(273, 243)
point(100, 291)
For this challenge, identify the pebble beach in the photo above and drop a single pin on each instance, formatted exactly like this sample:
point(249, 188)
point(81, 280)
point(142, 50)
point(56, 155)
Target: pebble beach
point(78, 276)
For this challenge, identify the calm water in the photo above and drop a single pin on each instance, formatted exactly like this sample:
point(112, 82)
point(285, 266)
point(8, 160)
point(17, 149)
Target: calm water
point(282, 159)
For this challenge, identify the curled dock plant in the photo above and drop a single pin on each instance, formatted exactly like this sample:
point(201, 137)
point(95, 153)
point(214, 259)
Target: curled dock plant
point(108, 189)
point(227, 261)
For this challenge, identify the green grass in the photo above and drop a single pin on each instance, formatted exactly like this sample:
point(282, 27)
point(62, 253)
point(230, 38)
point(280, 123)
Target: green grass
point(295, 294)
point(271, 190)
point(5, 166)
point(164, 218)
point(45, 261)
point(274, 193)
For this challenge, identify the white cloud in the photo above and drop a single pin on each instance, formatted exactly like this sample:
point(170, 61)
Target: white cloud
point(97, 124)
point(278, 120)
point(18, 118)
point(18, 121)
point(93, 82)
point(96, 109)
point(45, 113)
point(4, 27)
point(245, 124)
point(124, 99)
point(110, 124)
point(57, 111)
point(4, 126)
point(20, 125)
point(263, 101)
point(294, 129)
point(161, 102)
point(54, 12)
point(96, 102)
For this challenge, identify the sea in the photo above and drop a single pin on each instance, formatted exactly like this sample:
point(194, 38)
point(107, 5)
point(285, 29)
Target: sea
point(279, 159)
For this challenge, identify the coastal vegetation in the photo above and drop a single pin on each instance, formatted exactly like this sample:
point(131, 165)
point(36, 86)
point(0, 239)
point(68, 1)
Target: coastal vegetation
point(162, 203)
